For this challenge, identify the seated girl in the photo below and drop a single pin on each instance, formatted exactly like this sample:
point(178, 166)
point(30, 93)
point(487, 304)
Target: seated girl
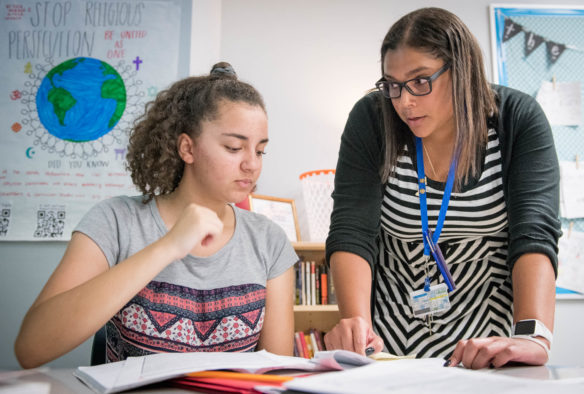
point(179, 268)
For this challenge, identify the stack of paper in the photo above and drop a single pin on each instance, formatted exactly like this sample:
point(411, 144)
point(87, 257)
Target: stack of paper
point(140, 371)
point(428, 376)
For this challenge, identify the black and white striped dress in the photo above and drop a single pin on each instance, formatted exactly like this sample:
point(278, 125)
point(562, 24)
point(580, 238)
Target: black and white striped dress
point(474, 244)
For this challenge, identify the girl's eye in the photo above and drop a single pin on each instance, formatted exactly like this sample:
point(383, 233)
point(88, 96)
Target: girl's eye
point(231, 149)
point(260, 153)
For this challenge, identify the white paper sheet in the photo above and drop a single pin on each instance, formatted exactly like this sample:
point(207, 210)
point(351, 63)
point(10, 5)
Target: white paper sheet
point(572, 189)
point(140, 371)
point(561, 102)
point(571, 261)
point(426, 376)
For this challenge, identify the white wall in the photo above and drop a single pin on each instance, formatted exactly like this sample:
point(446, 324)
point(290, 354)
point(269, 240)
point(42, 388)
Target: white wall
point(311, 60)
point(205, 35)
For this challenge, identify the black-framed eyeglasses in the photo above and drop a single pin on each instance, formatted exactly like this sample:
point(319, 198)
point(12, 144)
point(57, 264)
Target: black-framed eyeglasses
point(419, 86)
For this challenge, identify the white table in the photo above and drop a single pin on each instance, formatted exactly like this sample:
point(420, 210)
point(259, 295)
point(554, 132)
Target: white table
point(62, 381)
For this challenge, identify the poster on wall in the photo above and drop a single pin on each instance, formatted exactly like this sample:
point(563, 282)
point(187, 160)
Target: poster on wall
point(75, 76)
point(539, 50)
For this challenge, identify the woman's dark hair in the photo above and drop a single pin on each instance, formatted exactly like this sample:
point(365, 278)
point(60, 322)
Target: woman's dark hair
point(153, 160)
point(443, 35)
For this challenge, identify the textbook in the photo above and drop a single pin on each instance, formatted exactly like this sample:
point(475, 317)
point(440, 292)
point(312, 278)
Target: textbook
point(141, 371)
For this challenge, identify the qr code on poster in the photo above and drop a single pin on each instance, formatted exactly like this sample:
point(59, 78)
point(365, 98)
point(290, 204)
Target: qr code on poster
point(4, 221)
point(50, 222)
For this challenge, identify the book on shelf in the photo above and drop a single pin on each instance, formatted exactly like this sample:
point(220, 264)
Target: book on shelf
point(313, 284)
point(318, 336)
point(310, 349)
point(332, 295)
point(298, 344)
point(298, 288)
point(318, 285)
point(308, 283)
point(308, 352)
point(306, 344)
point(296, 354)
point(313, 342)
point(324, 286)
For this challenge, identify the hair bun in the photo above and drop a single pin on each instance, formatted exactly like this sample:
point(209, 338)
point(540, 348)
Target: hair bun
point(223, 69)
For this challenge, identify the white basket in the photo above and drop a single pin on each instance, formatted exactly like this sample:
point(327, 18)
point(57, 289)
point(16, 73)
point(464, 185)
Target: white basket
point(317, 187)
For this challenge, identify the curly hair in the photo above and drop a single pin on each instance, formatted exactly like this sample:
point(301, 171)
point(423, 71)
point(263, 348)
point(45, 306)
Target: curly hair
point(153, 160)
point(443, 35)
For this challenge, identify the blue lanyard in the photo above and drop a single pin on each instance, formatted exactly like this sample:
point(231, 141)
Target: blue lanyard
point(423, 203)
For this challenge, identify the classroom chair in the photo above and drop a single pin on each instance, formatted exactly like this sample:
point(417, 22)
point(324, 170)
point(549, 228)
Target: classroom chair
point(98, 347)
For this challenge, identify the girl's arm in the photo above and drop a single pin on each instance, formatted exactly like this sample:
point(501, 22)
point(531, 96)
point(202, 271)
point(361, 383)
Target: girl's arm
point(277, 334)
point(83, 293)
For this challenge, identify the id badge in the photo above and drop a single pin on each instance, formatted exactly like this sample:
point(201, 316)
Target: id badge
point(430, 302)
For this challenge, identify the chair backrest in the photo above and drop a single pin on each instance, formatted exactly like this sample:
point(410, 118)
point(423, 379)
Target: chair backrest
point(98, 347)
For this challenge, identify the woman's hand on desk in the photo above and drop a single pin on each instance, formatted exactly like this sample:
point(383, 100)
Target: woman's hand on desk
point(353, 334)
point(480, 353)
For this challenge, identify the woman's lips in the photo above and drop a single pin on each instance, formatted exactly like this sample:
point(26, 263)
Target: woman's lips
point(415, 120)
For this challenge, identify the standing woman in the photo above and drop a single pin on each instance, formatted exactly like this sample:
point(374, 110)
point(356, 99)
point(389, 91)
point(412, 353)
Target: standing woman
point(178, 269)
point(439, 159)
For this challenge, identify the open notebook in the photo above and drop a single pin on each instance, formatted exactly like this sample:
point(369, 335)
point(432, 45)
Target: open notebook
point(140, 371)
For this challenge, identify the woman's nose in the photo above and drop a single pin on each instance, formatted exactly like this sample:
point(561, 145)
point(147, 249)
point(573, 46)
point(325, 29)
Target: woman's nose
point(406, 98)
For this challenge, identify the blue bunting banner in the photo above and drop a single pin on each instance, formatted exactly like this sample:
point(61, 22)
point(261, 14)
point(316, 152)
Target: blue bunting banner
point(533, 41)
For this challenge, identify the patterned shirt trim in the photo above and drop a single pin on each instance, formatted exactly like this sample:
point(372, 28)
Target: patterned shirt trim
point(168, 318)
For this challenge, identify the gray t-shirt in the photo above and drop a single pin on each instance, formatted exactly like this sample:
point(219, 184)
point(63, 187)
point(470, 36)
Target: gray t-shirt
point(214, 303)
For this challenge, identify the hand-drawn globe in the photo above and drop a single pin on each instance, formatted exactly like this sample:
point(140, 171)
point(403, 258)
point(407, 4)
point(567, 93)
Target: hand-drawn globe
point(81, 99)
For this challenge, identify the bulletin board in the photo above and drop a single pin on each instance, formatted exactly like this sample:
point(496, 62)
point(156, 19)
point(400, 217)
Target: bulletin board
point(75, 76)
point(540, 51)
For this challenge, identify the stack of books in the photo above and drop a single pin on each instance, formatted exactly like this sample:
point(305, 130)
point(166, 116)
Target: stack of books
point(307, 344)
point(313, 284)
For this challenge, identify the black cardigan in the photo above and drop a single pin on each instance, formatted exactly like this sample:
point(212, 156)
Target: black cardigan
point(530, 178)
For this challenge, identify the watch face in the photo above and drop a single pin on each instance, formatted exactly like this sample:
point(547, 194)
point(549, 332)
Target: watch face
point(525, 327)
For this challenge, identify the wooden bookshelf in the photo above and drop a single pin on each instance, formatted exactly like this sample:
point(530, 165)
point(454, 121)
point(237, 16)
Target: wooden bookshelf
point(321, 317)
point(316, 308)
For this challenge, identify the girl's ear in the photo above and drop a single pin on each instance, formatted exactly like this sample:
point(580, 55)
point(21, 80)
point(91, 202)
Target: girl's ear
point(185, 146)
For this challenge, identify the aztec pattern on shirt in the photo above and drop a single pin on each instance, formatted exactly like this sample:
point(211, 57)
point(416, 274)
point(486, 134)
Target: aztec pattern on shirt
point(164, 317)
point(474, 244)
